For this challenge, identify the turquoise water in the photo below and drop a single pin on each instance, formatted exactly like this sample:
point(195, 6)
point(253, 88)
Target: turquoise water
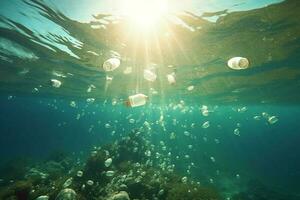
point(217, 133)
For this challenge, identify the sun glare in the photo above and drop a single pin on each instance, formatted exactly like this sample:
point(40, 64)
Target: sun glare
point(145, 14)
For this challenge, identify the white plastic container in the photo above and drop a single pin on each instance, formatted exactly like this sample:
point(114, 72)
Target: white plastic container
point(55, 83)
point(111, 64)
point(238, 63)
point(171, 78)
point(149, 75)
point(136, 100)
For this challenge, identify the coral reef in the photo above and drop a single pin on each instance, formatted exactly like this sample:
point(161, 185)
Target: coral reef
point(120, 171)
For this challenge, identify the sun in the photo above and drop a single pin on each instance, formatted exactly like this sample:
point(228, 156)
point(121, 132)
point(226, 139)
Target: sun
point(144, 15)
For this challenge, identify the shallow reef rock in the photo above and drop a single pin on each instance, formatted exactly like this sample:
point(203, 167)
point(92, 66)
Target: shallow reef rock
point(133, 174)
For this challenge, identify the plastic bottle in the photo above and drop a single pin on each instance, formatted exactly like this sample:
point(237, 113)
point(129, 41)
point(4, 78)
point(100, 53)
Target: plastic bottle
point(149, 75)
point(238, 63)
point(171, 78)
point(55, 83)
point(111, 64)
point(136, 100)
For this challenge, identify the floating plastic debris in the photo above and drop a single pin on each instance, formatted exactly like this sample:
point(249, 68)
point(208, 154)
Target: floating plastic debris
point(238, 63)
point(109, 78)
point(90, 100)
point(43, 197)
point(190, 88)
point(204, 110)
point(272, 119)
point(265, 115)
point(110, 173)
point(90, 88)
point(79, 173)
point(136, 100)
point(149, 75)
point(90, 182)
point(172, 136)
point(108, 162)
point(122, 195)
point(111, 64)
point(206, 124)
point(35, 90)
point(68, 182)
point(257, 117)
point(114, 102)
point(212, 159)
point(236, 132)
point(186, 133)
point(66, 194)
point(242, 109)
point(55, 83)
point(131, 121)
point(171, 78)
point(161, 192)
point(73, 104)
point(107, 125)
point(148, 153)
point(58, 74)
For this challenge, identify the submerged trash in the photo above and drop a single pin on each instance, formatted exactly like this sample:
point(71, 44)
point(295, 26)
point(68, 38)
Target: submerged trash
point(204, 110)
point(238, 63)
point(110, 173)
point(73, 104)
point(109, 78)
point(120, 196)
point(171, 78)
point(236, 132)
point(184, 179)
point(79, 174)
point(68, 182)
point(111, 64)
point(149, 75)
point(212, 159)
point(66, 194)
point(90, 182)
point(272, 119)
point(256, 117)
point(136, 100)
point(131, 121)
point(43, 197)
point(190, 88)
point(108, 162)
point(205, 124)
point(90, 88)
point(90, 100)
point(55, 83)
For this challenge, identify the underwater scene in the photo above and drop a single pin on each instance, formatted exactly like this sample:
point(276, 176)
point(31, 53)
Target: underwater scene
point(149, 100)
